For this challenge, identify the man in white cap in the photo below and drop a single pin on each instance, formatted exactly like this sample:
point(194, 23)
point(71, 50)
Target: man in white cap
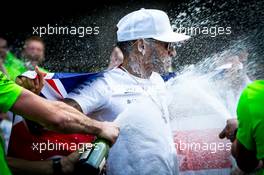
point(146, 39)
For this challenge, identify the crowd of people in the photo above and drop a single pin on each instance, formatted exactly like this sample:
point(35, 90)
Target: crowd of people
point(137, 69)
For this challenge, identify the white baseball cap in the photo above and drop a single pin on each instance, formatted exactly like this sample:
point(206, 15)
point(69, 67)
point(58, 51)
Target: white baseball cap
point(147, 23)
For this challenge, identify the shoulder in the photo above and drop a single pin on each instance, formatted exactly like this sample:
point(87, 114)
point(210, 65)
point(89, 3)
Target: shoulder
point(115, 76)
point(253, 90)
point(9, 92)
point(250, 104)
point(157, 79)
point(92, 85)
point(114, 72)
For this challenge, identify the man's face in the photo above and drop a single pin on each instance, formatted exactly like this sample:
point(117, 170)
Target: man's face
point(3, 48)
point(158, 56)
point(34, 51)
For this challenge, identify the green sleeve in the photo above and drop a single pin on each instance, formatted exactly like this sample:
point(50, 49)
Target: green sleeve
point(9, 92)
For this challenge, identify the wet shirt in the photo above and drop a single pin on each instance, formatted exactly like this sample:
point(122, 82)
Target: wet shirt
point(108, 96)
point(250, 113)
point(9, 92)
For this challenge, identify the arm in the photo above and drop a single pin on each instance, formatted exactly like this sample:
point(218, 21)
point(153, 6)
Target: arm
point(20, 166)
point(61, 117)
point(246, 159)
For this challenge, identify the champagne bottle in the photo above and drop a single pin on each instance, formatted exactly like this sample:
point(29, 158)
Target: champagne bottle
point(93, 160)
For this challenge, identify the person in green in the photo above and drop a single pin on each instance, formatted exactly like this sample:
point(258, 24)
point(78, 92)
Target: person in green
point(32, 54)
point(54, 115)
point(246, 132)
point(9, 64)
point(9, 93)
point(13, 66)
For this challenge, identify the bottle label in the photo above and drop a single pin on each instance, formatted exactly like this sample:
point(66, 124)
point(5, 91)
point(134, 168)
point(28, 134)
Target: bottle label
point(84, 156)
point(102, 164)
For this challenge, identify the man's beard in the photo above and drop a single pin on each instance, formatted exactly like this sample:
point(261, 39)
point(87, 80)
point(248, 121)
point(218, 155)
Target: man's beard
point(158, 64)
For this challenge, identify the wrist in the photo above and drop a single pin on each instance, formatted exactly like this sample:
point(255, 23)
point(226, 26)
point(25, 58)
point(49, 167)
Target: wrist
point(232, 136)
point(98, 127)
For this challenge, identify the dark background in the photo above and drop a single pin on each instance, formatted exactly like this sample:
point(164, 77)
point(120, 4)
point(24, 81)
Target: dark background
point(91, 53)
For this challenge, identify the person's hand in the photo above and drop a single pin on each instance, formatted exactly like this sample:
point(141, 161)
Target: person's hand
point(68, 162)
point(229, 130)
point(34, 85)
point(110, 131)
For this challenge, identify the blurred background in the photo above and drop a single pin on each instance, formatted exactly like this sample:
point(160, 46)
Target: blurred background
point(71, 53)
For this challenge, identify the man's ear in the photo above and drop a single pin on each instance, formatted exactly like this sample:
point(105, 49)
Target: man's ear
point(141, 45)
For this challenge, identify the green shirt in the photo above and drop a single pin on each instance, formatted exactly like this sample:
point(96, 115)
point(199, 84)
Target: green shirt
point(9, 92)
point(250, 114)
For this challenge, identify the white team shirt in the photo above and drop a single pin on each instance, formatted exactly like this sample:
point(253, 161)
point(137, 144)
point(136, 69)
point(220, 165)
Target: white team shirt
point(109, 95)
point(140, 108)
